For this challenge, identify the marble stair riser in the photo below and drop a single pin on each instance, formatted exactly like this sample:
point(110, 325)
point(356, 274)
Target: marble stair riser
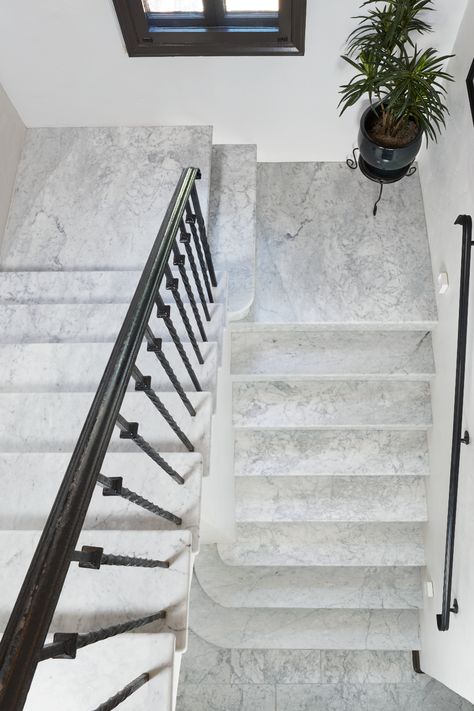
point(89, 287)
point(322, 404)
point(307, 587)
point(332, 354)
point(232, 221)
point(52, 422)
point(89, 323)
point(290, 628)
point(27, 498)
point(76, 685)
point(78, 367)
point(330, 499)
point(322, 453)
point(326, 544)
point(94, 198)
point(92, 599)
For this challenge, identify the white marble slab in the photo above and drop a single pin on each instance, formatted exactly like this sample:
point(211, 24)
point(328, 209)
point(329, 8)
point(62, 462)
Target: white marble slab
point(324, 452)
point(232, 221)
point(89, 323)
point(94, 198)
point(292, 628)
point(341, 498)
point(307, 587)
point(323, 258)
point(84, 287)
point(30, 482)
point(332, 354)
point(52, 422)
point(241, 697)
point(332, 404)
point(78, 367)
point(102, 669)
point(333, 544)
point(92, 599)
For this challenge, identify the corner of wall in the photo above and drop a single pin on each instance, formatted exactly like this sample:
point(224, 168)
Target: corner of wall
point(12, 138)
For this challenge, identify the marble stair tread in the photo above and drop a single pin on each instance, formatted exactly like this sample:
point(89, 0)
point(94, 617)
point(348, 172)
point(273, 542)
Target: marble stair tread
point(232, 221)
point(261, 354)
point(30, 482)
point(87, 287)
point(296, 628)
point(92, 599)
point(95, 197)
point(89, 323)
point(307, 587)
point(331, 404)
point(78, 367)
point(340, 499)
point(60, 683)
point(283, 452)
point(325, 544)
point(52, 422)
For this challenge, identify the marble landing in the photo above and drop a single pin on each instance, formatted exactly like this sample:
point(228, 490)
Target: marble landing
point(94, 198)
point(232, 221)
point(221, 679)
point(323, 258)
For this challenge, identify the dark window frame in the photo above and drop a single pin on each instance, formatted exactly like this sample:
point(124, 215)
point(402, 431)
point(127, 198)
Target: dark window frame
point(191, 35)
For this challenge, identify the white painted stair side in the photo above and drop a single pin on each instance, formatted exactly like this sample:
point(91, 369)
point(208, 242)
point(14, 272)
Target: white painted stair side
point(92, 599)
point(307, 587)
point(263, 354)
point(78, 367)
point(84, 287)
point(285, 452)
point(296, 628)
point(322, 404)
point(30, 482)
point(102, 669)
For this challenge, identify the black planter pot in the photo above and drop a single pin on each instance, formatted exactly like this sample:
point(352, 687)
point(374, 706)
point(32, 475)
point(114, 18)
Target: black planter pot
point(385, 164)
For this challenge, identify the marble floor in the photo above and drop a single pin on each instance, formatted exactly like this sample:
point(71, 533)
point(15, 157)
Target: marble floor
point(322, 257)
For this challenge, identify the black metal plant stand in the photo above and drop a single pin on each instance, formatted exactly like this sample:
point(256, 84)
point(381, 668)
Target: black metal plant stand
point(366, 170)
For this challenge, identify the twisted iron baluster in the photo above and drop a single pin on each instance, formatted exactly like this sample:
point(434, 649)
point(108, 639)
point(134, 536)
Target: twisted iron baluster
point(154, 345)
point(191, 221)
point(143, 384)
point(93, 557)
point(179, 261)
point(65, 645)
point(129, 430)
point(185, 239)
point(124, 693)
point(164, 313)
point(113, 487)
point(172, 285)
point(203, 234)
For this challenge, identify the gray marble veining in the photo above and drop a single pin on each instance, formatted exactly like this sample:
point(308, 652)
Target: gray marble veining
point(232, 220)
point(324, 452)
point(298, 628)
point(307, 586)
point(348, 403)
point(322, 257)
point(332, 354)
point(95, 197)
point(241, 697)
point(333, 544)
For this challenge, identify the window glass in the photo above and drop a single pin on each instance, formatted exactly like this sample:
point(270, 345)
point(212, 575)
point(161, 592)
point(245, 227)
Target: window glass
point(249, 6)
point(170, 6)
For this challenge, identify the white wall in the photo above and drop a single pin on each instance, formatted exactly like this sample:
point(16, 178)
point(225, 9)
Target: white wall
point(63, 63)
point(12, 136)
point(447, 178)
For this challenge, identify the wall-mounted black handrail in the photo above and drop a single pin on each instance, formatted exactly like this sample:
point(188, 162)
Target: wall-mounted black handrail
point(458, 439)
point(31, 617)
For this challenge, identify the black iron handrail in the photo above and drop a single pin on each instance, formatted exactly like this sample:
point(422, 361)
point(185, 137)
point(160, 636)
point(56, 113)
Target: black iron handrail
point(27, 628)
point(458, 439)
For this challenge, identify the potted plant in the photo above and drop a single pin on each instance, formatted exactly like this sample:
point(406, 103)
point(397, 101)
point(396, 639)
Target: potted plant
point(403, 83)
